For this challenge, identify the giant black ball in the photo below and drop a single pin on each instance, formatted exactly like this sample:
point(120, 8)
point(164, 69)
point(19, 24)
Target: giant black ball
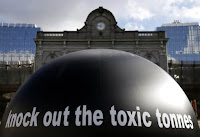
point(99, 93)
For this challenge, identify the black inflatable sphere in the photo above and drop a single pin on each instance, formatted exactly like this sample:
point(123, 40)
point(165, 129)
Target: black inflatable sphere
point(100, 93)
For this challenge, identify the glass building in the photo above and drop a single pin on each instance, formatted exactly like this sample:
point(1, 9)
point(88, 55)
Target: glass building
point(184, 58)
point(17, 42)
point(184, 41)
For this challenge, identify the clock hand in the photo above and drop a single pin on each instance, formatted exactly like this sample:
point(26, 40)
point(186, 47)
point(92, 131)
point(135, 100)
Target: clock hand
point(98, 25)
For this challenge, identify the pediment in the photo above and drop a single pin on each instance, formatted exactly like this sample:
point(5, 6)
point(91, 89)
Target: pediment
point(96, 18)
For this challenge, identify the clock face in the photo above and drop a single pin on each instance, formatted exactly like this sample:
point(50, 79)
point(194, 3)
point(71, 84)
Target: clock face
point(100, 26)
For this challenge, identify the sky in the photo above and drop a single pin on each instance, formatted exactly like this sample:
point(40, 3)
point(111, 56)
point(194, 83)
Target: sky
point(64, 15)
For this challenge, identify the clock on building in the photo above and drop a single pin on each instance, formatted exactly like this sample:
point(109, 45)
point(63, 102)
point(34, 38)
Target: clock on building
point(100, 25)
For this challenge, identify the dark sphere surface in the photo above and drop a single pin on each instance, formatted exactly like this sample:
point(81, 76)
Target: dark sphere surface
point(99, 93)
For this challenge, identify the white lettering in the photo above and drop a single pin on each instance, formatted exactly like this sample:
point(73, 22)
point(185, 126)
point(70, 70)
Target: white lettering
point(131, 118)
point(98, 116)
point(25, 121)
point(47, 119)
point(113, 113)
point(19, 120)
point(144, 117)
point(66, 114)
point(122, 118)
point(8, 119)
point(34, 117)
point(78, 113)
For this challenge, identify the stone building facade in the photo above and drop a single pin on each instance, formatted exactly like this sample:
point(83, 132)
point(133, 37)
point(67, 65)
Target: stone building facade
point(101, 32)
